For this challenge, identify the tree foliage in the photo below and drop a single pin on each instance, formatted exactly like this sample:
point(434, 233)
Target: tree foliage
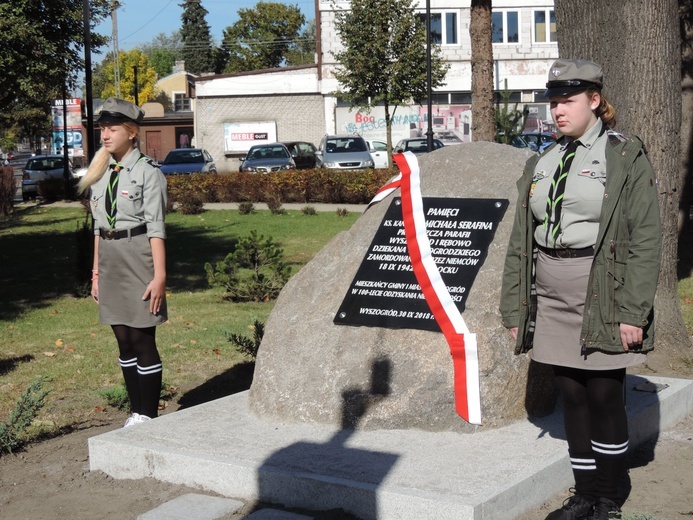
point(262, 37)
point(163, 52)
point(41, 52)
point(198, 51)
point(128, 60)
point(42, 46)
point(302, 50)
point(383, 61)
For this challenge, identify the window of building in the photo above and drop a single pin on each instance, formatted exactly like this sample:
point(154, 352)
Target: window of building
point(505, 26)
point(444, 30)
point(544, 26)
point(181, 103)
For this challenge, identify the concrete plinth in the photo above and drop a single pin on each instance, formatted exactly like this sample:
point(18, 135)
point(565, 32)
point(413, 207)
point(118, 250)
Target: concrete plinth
point(384, 474)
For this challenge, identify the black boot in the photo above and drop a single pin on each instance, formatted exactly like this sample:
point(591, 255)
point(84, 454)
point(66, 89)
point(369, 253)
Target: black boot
point(577, 507)
point(606, 509)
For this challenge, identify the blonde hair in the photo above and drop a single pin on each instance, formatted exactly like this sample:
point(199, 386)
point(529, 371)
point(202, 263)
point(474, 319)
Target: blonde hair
point(605, 111)
point(99, 163)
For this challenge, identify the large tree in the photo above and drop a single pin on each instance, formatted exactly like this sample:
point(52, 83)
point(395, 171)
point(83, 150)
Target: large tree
point(383, 61)
point(198, 51)
point(262, 36)
point(163, 52)
point(642, 69)
point(480, 33)
point(302, 49)
point(41, 52)
point(146, 77)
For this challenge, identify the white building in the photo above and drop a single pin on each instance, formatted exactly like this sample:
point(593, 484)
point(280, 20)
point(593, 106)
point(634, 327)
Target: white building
point(297, 103)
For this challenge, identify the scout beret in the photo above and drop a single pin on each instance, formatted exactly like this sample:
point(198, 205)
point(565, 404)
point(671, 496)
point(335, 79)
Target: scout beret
point(120, 111)
point(570, 76)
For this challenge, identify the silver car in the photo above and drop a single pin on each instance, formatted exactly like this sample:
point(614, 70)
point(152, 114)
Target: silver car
point(346, 152)
point(42, 167)
point(267, 158)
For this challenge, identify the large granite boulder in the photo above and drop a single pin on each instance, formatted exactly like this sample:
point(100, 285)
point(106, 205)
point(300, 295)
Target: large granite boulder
point(309, 369)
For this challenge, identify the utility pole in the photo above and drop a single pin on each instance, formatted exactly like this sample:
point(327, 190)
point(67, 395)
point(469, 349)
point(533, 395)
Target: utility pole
point(88, 106)
point(116, 54)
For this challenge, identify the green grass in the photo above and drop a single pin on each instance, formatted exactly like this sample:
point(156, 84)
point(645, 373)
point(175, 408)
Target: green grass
point(46, 331)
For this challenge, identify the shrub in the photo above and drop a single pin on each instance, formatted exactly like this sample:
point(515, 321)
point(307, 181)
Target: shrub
point(246, 345)
point(51, 190)
point(308, 210)
point(342, 212)
point(246, 208)
point(191, 203)
point(7, 190)
point(275, 206)
point(318, 185)
point(254, 271)
point(22, 416)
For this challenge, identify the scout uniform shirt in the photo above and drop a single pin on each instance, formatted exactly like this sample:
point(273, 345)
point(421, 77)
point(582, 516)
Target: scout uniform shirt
point(584, 191)
point(141, 196)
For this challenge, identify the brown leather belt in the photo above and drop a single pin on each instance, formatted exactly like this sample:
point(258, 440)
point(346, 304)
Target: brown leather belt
point(117, 234)
point(568, 252)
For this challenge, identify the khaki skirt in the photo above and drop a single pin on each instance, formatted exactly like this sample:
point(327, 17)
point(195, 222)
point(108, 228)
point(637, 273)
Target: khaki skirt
point(126, 268)
point(561, 289)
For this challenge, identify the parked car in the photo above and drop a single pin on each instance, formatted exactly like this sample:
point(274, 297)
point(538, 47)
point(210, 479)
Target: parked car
point(303, 154)
point(267, 158)
point(518, 142)
point(378, 151)
point(188, 160)
point(538, 141)
point(346, 152)
point(41, 167)
point(416, 145)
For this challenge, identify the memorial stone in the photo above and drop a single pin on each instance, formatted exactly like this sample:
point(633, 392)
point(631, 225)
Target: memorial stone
point(310, 369)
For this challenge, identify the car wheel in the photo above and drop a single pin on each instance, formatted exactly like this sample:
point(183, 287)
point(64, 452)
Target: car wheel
point(25, 197)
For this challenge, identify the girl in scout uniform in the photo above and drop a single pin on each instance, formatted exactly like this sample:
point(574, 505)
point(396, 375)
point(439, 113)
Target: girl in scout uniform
point(128, 203)
point(580, 277)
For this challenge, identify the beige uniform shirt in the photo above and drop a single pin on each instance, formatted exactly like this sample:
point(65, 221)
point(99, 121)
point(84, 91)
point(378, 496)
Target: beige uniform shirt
point(584, 190)
point(141, 196)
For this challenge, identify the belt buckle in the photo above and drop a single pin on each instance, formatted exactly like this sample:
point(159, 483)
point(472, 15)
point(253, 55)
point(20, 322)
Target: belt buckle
point(109, 234)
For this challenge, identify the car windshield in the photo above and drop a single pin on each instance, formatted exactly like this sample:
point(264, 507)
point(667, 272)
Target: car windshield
point(46, 163)
point(184, 157)
point(346, 144)
point(268, 152)
point(419, 145)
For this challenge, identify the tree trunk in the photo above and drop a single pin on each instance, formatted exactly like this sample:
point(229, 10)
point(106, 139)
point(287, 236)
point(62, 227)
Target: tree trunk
point(482, 71)
point(642, 76)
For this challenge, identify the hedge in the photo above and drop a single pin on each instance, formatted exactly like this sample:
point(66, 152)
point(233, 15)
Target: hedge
point(301, 186)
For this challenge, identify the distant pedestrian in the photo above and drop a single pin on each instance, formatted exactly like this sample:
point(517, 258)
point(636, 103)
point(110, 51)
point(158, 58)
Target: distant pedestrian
point(184, 141)
point(128, 202)
point(580, 277)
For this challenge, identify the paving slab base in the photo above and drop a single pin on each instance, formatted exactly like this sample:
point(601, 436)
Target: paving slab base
point(221, 446)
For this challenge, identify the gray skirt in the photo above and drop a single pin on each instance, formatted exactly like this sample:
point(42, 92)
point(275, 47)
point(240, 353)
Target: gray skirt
point(126, 268)
point(561, 290)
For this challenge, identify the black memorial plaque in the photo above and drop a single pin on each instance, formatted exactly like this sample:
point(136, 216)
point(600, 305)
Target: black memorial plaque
point(385, 293)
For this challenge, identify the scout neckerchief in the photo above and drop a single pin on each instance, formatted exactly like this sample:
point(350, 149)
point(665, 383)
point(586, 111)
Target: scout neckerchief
point(111, 194)
point(554, 202)
point(462, 343)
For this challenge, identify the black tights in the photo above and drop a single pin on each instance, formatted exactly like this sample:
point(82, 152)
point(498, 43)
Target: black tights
point(596, 426)
point(141, 365)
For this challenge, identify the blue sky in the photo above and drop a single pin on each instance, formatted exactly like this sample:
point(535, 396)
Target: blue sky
point(139, 21)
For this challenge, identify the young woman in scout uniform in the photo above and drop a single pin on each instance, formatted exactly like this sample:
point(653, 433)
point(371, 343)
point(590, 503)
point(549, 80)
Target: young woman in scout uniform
point(580, 277)
point(128, 203)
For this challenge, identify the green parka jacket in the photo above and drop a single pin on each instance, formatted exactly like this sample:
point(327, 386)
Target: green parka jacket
point(625, 268)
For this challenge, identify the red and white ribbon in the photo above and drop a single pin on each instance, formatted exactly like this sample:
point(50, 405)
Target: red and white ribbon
point(462, 343)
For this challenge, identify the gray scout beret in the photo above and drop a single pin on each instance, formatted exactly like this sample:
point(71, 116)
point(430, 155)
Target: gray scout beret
point(570, 76)
point(120, 111)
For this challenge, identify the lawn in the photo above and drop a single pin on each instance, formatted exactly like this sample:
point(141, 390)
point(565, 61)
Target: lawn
point(46, 330)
